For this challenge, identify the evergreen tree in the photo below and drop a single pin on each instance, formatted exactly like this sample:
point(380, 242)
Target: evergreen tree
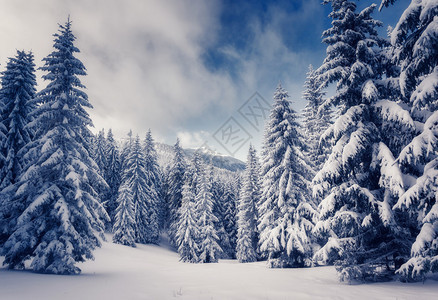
point(360, 180)
point(136, 178)
point(112, 175)
point(188, 231)
point(18, 89)
point(285, 211)
point(316, 119)
point(3, 132)
point(229, 199)
point(100, 147)
point(154, 182)
point(218, 192)
point(126, 149)
point(57, 209)
point(124, 223)
point(416, 52)
point(210, 249)
point(247, 234)
point(99, 156)
point(175, 188)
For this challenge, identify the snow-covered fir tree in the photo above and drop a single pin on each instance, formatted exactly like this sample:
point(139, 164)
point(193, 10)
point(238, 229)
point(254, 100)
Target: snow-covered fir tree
point(416, 52)
point(285, 212)
point(247, 233)
point(126, 149)
point(188, 231)
point(360, 180)
point(218, 192)
point(58, 213)
point(112, 175)
point(99, 149)
point(98, 153)
point(2, 141)
point(124, 223)
point(17, 90)
point(135, 177)
point(154, 182)
point(316, 119)
point(210, 249)
point(229, 200)
point(175, 181)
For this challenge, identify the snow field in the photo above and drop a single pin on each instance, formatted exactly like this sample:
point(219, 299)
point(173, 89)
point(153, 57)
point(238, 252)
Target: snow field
point(154, 272)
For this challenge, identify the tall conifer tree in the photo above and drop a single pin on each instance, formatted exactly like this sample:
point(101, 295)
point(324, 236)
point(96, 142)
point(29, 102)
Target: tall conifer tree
point(188, 232)
point(17, 91)
point(360, 180)
point(135, 177)
point(286, 212)
point(316, 119)
point(112, 174)
point(247, 233)
point(210, 249)
point(415, 44)
point(175, 189)
point(124, 223)
point(16, 95)
point(58, 209)
point(154, 182)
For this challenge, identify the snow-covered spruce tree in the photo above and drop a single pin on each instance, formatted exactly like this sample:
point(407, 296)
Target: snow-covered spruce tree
point(218, 192)
point(18, 89)
point(112, 175)
point(175, 181)
point(210, 249)
point(58, 223)
point(247, 233)
point(415, 43)
point(3, 132)
point(360, 180)
point(98, 154)
point(124, 223)
point(188, 231)
point(316, 119)
point(4, 215)
point(126, 149)
point(154, 182)
point(100, 151)
point(229, 199)
point(285, 212)
point(419, 162)
point(135, 177)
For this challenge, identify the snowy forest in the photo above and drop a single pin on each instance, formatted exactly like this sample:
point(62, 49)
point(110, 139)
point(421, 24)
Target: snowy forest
point(349, 181)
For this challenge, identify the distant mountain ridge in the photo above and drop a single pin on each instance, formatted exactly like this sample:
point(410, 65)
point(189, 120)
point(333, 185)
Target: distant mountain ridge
point(165, 157)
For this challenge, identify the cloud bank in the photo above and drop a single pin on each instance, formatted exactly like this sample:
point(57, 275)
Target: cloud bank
point(146, 59)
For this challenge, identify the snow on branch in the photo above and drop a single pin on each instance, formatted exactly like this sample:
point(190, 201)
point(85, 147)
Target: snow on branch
point(393, 112)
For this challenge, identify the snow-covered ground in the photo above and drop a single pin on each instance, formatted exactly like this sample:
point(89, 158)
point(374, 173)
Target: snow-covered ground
point(153, 272)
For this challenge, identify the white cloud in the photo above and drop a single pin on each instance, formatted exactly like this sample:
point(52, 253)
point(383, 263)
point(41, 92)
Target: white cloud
point(193, 139)
point(142, 57)
point(144, 61)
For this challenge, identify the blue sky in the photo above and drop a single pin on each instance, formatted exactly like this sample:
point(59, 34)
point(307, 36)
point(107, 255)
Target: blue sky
point(181, 68)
